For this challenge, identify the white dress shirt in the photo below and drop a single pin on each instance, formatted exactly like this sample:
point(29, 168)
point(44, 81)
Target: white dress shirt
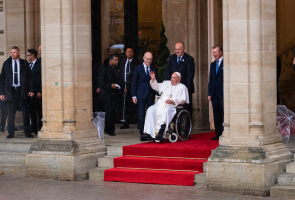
point(33, 64)
point(127, 67)
point(18, 74)
point(146, 67)
point(180, 58)
point(219, 61)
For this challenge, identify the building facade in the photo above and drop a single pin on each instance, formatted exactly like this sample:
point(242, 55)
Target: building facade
point(75, 35)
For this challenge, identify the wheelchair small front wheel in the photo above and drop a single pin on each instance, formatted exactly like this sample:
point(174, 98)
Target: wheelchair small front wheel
point(173, 137)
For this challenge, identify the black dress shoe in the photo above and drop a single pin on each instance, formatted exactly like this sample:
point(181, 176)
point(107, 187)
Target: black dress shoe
point(10, 136)
point(160, 137)
point(215, 138)
point(2, 129)
point(125, 126)
point(15, 129)
point(111, 134)
point(145, 137)
point(29, 135)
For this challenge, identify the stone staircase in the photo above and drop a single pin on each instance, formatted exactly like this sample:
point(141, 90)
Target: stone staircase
point(107, 162)
point(286, 184)
point(13, 157)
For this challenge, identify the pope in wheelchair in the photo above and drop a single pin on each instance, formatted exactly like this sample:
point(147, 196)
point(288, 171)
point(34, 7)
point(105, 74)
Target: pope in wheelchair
point(158, 117)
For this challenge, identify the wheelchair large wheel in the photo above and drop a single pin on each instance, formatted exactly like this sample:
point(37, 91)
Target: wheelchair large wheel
point(183, 125)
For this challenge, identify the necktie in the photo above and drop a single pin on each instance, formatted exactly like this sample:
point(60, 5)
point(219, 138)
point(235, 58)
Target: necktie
point(178, 60)
point(217, 65)
point(147, 73)
point(31, 65)
point(15, 73)
point(128, 68)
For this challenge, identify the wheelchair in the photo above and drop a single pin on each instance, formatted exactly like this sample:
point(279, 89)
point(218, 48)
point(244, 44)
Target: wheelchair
point(181, 125)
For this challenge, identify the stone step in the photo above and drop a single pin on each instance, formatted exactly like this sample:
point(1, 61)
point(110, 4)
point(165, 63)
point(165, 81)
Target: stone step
point(106, 162)
point(96, 174)
point(290, 168)
point(114, 151)
point(201, 179)
point(13, 157)
point(15, 147)
point(281, 192)
point(20, 169)
point(286, 180)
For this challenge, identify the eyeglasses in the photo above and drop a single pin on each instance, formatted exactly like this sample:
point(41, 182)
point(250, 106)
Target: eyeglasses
point(148, 59)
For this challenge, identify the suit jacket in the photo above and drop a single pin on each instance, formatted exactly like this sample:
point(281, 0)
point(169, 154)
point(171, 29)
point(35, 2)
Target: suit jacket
point(132, 66)
point(186, 68)
point(36, 72)
point(215, 88)
point(141, 87)
point(26, 79)
point(107, 76)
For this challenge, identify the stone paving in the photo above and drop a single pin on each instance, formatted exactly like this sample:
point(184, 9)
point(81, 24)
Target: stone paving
point(14, 187)
point(18, 187)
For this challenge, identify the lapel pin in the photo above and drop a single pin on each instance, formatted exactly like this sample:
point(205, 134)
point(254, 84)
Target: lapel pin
point(182, 60)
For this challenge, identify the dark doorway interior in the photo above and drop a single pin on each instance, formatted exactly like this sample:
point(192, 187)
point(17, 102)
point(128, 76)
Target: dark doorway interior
point(96, 50)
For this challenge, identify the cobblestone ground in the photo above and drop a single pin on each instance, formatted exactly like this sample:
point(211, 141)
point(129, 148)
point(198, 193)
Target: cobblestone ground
point(15, 187)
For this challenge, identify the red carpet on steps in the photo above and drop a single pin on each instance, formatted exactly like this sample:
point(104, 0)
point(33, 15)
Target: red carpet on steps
point(163, 163)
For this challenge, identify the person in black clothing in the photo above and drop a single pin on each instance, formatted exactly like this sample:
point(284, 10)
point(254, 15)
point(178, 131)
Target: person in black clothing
point(110, 83)
point(34, 102)
point(16, 86)
point(105, 64)
point(127, 68)
point(106, 61)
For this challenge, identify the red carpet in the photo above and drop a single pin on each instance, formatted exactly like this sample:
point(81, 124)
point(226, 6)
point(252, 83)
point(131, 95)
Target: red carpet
point(163, 163)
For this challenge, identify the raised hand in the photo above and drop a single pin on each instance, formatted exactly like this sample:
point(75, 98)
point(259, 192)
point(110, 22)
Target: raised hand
point(152, 75)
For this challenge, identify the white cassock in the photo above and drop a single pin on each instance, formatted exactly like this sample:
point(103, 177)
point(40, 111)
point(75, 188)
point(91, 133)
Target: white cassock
point(162, 113)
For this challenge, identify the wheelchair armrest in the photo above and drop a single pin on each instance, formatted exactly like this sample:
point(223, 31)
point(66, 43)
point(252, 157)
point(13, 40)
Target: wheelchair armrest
point(182, 106)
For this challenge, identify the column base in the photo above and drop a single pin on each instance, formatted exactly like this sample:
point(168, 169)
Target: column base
point(64, 160)
point(246, 170)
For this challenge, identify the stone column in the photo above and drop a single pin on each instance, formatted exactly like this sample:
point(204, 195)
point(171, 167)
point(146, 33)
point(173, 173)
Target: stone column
point(68, 145)
point(14, 26)
point(186, 20)
point(250, 155)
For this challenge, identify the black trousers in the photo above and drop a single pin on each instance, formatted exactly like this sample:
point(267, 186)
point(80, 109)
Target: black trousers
point(110, 113)
point(35, 113)
point(142, 105)
point(39, 112)
point(11, 109)
point(3, 114)
point(218, 113)
point(190, 106)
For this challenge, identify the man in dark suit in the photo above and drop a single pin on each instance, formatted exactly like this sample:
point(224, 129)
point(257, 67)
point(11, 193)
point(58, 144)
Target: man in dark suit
point(142, 91)
point(185, 65)
point(215, 90)
point(34, 102)
point(109, 80)
point(127, 68)
point(16, 86)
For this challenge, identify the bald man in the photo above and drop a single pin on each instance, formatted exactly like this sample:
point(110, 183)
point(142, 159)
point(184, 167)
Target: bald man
point(159, 116)
point(142, 93)
point(184, 64)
